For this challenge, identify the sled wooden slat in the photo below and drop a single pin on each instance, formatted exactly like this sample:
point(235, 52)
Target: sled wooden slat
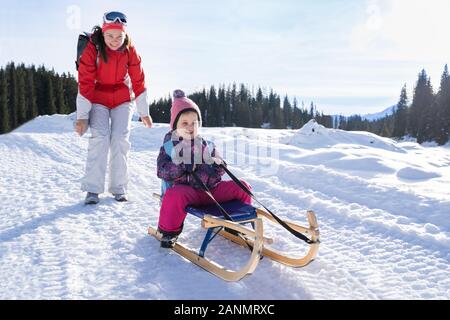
point(157, 196)
point(211, 222)
point(276, 255)
point(311, 230)
point(216, 269)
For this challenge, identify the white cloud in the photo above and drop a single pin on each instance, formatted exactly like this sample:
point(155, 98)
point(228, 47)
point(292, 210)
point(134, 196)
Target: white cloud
point(404, 30)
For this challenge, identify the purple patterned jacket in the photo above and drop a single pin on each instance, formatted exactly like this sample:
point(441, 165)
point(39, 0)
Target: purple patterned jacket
point(210, 174)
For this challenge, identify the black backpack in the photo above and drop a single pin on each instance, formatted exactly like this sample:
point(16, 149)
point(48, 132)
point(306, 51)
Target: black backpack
point(83, 40)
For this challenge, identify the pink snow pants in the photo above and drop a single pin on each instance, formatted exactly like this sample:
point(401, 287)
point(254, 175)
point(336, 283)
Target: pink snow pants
point(178, 197)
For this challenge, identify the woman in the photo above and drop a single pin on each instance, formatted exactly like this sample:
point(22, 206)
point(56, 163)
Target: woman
point(109, 73)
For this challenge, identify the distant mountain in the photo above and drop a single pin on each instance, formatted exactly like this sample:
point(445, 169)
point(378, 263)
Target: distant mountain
point(379, 115)
point(369, 117)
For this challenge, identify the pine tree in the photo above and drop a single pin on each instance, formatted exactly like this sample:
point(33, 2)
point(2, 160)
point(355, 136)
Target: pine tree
point(429, 116)
point(212, 107)
point(4, 113)
point(421, 109)
point(243, 107)
point(386, 127)
point(32, 108)
point(443, 109)
point(165, 106)
point(311, 111)
point(233, 104)
point(201, 99)
point(259, 96)
point(277, 120)
point(325, 120)
point(40, 85)
point(296, 116)
point(297, 122)
point(342, 123)
point(160, 110)
point(271, 109)
point(60, 102)
point(221, 107)
point(401, 115)
point(13, 96)
point(287, 110)
point(263, 105)
point(70, 92)
point(257, 114)
point(258, 109)
point(227, 115)
point(21, 102)
point(50, 106)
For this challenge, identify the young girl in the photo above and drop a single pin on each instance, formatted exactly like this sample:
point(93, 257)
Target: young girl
point(190, 153)
point(109, 72)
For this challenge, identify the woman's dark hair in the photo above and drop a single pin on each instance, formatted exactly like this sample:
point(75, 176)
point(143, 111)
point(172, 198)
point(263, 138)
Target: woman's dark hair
point(99, 40)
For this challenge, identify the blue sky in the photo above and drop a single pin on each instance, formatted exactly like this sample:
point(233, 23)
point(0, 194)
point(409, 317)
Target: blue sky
point(348, 56)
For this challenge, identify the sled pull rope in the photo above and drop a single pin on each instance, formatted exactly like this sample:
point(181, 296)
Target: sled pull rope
point(208, 192)
point(281, 222)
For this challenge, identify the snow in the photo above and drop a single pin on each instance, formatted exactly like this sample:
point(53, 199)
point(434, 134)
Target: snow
point(382, 208)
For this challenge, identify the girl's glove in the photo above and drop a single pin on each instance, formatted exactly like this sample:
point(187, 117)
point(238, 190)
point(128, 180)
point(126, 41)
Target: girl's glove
point(217, 161)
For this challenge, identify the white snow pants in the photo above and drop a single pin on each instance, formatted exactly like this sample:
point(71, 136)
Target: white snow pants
point(107, 136)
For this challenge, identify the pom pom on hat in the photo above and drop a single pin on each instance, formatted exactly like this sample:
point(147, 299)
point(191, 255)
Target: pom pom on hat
point(179, 94)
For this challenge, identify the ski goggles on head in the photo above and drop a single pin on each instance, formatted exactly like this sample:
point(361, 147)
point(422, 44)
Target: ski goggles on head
point(115, 16)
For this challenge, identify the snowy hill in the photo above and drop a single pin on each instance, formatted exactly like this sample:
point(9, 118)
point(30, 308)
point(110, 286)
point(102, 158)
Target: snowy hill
point(369, 117)
point(379, 115)
point(383, 210)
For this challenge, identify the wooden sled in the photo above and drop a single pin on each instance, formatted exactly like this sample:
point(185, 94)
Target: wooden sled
point(236, 231)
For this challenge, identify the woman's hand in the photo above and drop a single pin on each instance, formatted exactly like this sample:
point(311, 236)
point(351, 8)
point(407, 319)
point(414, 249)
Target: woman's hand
point(81, 126)
point(147, 121)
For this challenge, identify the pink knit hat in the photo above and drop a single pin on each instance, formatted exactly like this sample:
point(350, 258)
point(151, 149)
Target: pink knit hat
point(182, 104)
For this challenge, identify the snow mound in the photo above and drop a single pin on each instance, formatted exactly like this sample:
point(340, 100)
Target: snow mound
point(56, 123)
point(415, 174)
point(367, 164)
point(313, 128)
point(314, 135)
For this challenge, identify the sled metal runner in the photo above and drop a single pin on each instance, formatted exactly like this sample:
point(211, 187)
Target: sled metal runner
point(252, 238)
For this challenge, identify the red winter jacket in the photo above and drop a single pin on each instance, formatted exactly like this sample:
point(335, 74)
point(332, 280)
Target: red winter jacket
point(106, 83)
